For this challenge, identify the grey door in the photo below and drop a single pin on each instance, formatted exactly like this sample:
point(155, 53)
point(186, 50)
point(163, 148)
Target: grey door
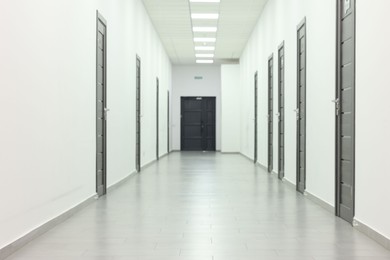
point(101, 105)
point(255, 117)
point(301, 109)
point(198, 124)
point(138, 116)
point(281, 111)
point(270, 113)
point(345, 111)
point(168, 123)
point(157, 117)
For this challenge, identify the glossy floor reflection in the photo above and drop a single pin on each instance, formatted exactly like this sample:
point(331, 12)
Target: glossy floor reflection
point(203, 206)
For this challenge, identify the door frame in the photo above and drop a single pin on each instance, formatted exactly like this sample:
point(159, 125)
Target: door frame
point(338, 101)
point(101, 19)
point(281, 116)
point(138, 115)
point(270, 113)
point(299, 27)
point(255, 119)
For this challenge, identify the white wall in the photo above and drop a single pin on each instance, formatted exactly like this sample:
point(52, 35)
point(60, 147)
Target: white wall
point(185, 85)
point(231, 108)
point(279, 23)
point(47, 134)
point(372, 115)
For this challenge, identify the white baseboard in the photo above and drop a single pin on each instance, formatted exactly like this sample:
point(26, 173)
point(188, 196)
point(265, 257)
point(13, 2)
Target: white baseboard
point(262, 166)
point(289, 184)
point(121, 182)
point(19, 243)
point(373, 234)
point(320, 202)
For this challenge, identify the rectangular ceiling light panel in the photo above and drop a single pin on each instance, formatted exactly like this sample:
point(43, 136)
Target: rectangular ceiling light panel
point(205, 16)
point(205, 1)
point(205, 61)
point(205, 29)
point(199, 39)
point(204, 55)
point(204, 48)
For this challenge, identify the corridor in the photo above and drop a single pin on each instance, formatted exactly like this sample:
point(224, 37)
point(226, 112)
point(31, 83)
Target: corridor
point(198, 206)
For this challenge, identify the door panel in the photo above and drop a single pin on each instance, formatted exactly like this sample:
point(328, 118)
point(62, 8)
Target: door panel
point(348, 28)
point(345, 111)
point(168, 123)
point(138, 116)
point(101, 104)
point(198, 124)
point(270, 113)
point(255, 117)
point(157, 117)
point(346, 55)
point(301, 110)
point(281, 65)
point(347, 73)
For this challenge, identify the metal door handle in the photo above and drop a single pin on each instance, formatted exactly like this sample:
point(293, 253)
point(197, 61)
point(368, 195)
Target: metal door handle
point(337, 103)
point(105, 112)
point(297, 112)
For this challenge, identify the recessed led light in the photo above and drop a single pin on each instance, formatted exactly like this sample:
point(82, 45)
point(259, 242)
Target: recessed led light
point(205, 29)
point(204, 55)
point(205, 1)
point(205, 16)
point(204, 39)
point(204, 48)
point(205, 61)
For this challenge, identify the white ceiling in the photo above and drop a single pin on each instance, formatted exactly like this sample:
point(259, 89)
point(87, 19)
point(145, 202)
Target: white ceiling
point(173, 23)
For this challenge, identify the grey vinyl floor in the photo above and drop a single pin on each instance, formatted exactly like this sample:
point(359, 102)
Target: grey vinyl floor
point(203, 206)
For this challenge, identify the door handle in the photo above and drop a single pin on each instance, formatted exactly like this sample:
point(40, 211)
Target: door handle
point(106, 110)
point(337, 103)
point(297, 112)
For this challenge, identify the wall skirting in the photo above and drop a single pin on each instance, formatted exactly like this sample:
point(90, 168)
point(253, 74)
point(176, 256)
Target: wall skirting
point(289, 184)
point(121, 182)
point(247, 157)
point(320, 202)
point(19, 243)
point(262, 167)
point(370, 232)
